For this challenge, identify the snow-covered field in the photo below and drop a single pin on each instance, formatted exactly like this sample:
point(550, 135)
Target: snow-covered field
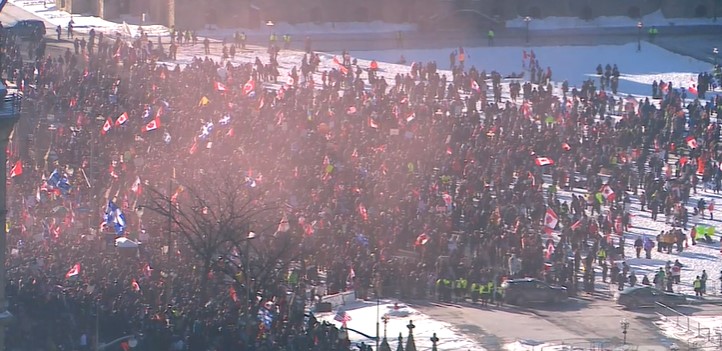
point(572, 63)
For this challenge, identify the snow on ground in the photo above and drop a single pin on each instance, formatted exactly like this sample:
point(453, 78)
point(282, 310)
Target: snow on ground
point(364, 316)
point(653, 19)
point(572, 63)
point(704, 332)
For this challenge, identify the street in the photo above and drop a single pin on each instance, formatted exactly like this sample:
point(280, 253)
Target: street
point(583, 322)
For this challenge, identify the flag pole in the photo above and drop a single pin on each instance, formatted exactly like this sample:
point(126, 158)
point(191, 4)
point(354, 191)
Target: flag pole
point(170, 212)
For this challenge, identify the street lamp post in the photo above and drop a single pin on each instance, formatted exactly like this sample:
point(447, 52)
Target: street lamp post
point(715, 51)
point(251, 235)
point(527, 20)
point(624, 323)
point(9, 115)
point(639, 35)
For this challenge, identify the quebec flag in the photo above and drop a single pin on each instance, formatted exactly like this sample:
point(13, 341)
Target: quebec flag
point(114, 216)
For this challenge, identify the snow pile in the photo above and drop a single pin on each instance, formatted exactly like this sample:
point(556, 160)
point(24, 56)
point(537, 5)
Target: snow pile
point(364, 316)
point(653, 19)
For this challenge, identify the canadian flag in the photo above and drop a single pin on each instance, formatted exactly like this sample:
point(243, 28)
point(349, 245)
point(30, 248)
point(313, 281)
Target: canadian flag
point(74, 271)
point(411, 117)
point(106, 126)
point(475, 86)
point(422, 239)
point(152, 125)
point(17, 169)
point(249, 87)
point(608, 193)
point(194, 147)
point(122, 119)
point(373, 123)
point(550, 219)
point(447, 199)
point(134, 284)
point(219, 86)
point(362, 211)
point(341, 67)
point(137, 186)
point(692, 142)
point(544, 161)
point(577, 225)
point(566, 147)
point(550, 250)
point(283, 225)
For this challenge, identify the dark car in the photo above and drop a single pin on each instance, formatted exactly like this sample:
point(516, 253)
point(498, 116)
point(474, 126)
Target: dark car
point(523, 291)
point(648, 296)
point(27, 29)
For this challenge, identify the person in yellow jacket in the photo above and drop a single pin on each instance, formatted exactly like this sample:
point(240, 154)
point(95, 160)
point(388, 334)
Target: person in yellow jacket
point(490, 35)
point(475, 292)
point(485, 294)
point(697, 287)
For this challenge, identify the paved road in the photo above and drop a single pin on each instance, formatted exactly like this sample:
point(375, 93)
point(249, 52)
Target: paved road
point(581, 322)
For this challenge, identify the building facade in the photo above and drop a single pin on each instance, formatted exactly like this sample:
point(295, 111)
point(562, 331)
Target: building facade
point(193, 14)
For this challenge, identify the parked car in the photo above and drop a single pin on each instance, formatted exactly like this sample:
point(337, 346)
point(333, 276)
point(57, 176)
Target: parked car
point(528, 290)
point(648, 296)
point(27, 29)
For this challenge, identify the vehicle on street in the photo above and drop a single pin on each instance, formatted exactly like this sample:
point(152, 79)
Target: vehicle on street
point(528, 290)
point(648, 296)
point(27, 29)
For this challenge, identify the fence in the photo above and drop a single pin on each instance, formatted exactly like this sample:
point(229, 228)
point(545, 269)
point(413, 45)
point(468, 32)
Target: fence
point(707, 338)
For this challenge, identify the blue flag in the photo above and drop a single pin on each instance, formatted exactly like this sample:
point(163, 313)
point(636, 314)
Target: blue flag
point(54, 179)
point(115, 217)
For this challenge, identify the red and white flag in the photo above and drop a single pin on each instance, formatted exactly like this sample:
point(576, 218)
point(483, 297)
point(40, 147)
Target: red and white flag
point(283, 225)
point(550, 219)
point(362, 211)
point(475, 86)
point(152, 125)
point(219, 86)
point(692, 142)
point(17, 169)
point(608, 193)
point(134, 284)
point(122, 119)
point(341, 67)
point(249, 87)
point(194, 147)
point(74, 271)
point(373, 123)
point(411, 117)
point(422, 239)
point(137, 186)
point(106, 126)
point(544, 161)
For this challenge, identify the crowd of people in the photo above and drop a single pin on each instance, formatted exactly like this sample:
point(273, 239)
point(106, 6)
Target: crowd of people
point(393, 187)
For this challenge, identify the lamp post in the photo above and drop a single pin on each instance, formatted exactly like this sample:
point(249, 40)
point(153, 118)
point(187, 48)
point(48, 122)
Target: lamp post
point(624, 323)
point(269, 25)
point(251, 235)
point(527, 20)
point(639, 35)
point(715, 51)
point(9, 115)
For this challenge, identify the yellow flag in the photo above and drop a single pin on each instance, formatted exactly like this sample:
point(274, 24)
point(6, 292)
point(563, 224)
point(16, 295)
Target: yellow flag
point(204, 101)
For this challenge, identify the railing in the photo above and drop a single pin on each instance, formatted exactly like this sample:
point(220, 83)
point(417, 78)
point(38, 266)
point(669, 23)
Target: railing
point(683, 321)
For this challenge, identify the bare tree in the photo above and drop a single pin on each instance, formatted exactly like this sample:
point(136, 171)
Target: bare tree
point(211, 219)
